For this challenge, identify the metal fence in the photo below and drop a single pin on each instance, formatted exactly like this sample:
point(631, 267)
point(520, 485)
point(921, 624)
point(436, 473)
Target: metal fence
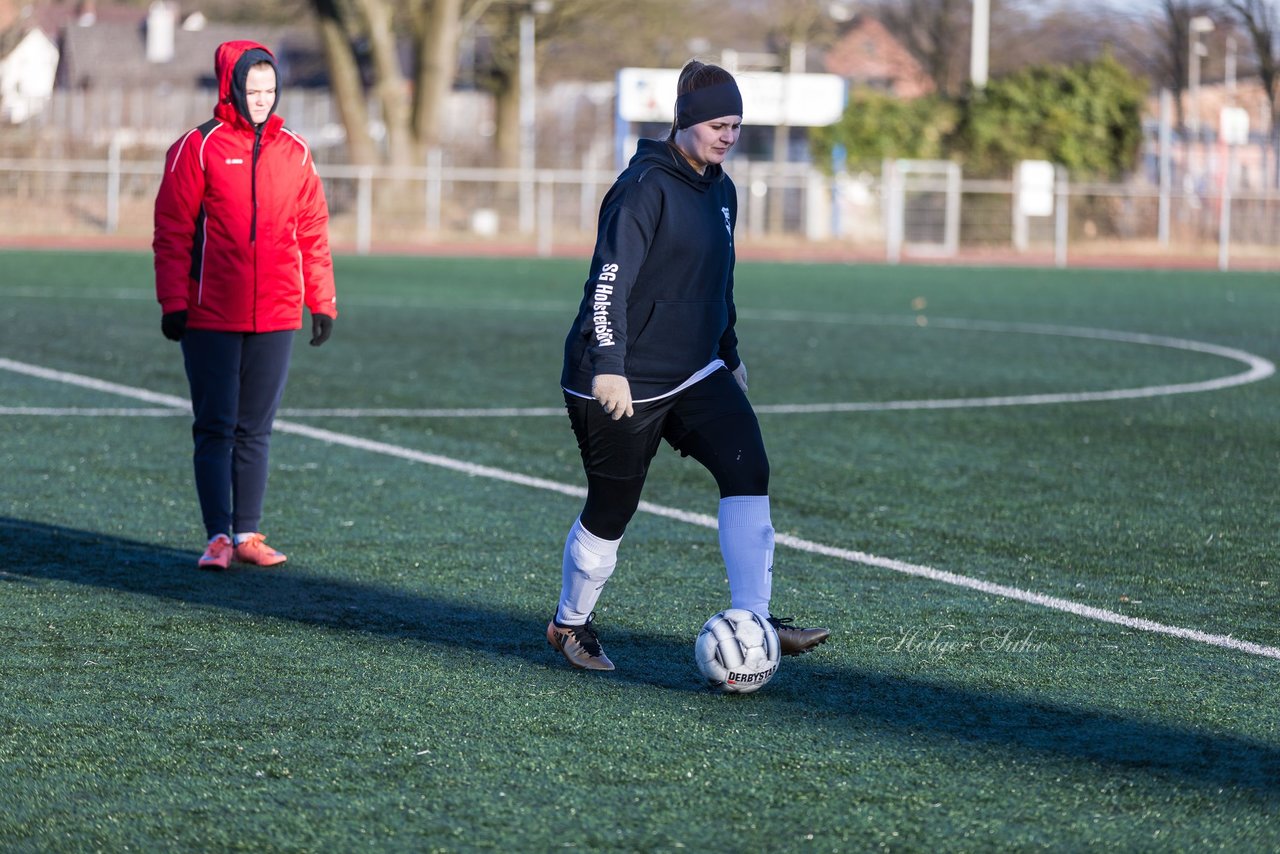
point(930, 211)
point(546, 211)
point(88, 167)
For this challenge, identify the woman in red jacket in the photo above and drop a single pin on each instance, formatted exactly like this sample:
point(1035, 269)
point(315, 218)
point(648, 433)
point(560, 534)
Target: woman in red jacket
point(241, 244)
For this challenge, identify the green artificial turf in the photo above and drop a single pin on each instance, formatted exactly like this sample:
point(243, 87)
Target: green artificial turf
point(390, 687)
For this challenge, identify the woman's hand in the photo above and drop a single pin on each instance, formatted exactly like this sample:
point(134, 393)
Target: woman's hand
point(614, 393)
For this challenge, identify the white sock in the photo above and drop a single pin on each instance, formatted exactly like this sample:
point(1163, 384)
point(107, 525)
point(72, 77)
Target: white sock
point(746, 542)
point(588, 562)
point(240, 538)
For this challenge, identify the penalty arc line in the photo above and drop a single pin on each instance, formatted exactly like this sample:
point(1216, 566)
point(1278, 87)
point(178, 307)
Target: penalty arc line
point(797, 543)
point(1258, 369)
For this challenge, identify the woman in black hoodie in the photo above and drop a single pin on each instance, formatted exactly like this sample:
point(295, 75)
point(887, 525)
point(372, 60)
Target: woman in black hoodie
point(653, 355)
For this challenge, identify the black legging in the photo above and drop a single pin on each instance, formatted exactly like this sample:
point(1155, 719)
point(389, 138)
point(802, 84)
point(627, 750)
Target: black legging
point(731, 448)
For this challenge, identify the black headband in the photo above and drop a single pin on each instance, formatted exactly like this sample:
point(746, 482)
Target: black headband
point(700, 105)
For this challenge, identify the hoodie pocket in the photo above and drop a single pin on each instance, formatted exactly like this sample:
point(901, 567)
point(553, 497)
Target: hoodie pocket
point(678, 338)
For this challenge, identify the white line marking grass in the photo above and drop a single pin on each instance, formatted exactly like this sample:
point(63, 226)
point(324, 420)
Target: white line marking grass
point(94, 412)
point(1257, 368)
point(808, 546)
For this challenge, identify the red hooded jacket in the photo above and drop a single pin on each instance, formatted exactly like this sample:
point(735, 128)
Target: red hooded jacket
point(241, 224)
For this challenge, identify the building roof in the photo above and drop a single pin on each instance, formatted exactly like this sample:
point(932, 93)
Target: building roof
point(112, 55)
point(869, 55)
point(15, 25)
point(14, 36)
point(104, 46)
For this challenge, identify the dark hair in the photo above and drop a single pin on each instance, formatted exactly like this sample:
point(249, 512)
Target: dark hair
point(697, 75)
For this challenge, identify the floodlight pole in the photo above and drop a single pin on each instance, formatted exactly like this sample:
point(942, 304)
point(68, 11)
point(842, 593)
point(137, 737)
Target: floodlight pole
point(1197, 25)
point(528, 113)
point(528, 134)
point(1166, 165)
point(1224, 219)
point(1231, 68)
point(980, 46)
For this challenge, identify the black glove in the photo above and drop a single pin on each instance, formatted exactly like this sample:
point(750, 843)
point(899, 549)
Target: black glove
point(321, 327)
point(174, 324)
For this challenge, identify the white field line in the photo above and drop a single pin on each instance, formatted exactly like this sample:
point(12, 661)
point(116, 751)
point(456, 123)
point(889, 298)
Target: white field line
point(94, 411)
point(81, 381)
point(1257, 368)
point(808, 546)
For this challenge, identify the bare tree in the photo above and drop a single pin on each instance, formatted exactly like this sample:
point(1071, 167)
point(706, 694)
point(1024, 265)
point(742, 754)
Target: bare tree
point(1261, 20)
point(1023, 32)
point(800, 25)
point(1170, 66)
point(583, 39)
point(436, 68)
point(344, 79)
point(1062, 32)
point(348, 27)
point(500, 75)
point(937, 34)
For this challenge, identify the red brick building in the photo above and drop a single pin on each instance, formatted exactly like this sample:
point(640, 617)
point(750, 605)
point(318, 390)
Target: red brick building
point(868, 55)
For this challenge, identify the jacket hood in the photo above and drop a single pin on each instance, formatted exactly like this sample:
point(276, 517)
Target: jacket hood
point(231, 64)
point(663, 155)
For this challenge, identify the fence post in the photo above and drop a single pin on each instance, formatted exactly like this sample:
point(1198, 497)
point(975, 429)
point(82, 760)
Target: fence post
point(364, 210)
point(757, 198)
point(1020, 225)
point(113, 184)
point(891, 202)
point(1166, 167)
point(1224, 219)
point(951, 226)
point(435, 190)
point(546, 211)
point(1061, 214)
point(528, 190)
point(587, 204)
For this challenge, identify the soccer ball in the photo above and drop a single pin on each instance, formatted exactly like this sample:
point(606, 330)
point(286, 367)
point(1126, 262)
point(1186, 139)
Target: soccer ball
point(737, 651)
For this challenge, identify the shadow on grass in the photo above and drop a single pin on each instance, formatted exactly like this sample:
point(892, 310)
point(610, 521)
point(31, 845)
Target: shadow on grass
point(37, 551)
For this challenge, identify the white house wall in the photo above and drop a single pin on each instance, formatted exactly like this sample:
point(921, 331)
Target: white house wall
point(26, 77)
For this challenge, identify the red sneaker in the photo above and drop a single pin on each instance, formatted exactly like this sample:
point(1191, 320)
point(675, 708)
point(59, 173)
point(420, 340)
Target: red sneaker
point(256, 551)
point(217, 555)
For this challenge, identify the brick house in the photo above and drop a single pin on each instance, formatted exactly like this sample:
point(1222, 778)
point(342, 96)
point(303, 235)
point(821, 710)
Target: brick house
point(868, 55)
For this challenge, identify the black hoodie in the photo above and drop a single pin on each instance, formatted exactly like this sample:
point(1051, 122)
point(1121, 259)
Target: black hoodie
point(658, 305)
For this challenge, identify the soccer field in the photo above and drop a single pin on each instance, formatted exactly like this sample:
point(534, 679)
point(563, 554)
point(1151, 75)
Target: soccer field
point(1038, 510)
